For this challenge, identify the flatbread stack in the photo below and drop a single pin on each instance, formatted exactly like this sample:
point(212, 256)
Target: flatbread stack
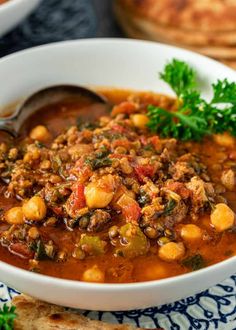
point(33, 314)
point(205, 26)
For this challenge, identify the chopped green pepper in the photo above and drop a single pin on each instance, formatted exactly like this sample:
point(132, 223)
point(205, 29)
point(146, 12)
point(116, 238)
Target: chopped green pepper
point(92, 245)
point(132, 241)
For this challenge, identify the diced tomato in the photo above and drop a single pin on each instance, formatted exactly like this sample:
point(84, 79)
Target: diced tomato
point(232, 155)
point(79, 164)
point(129, 208)
point(81, 171)
point(58, 210)
point(155, 141)
point(180, 189)
point(118, 128)
point(143, 171)
point(121, 143)
point(124, 107)
point(143, 140)
point(77, 198)
point(21, 250)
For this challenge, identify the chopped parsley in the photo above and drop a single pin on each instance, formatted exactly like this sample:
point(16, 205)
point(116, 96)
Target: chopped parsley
point(194, 117)
point(169, 207)
point(7, 316)
point(83, 125)
point(99, 159)
point(194, 262)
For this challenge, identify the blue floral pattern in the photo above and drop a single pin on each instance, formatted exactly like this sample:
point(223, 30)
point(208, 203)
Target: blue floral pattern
point(212, 309)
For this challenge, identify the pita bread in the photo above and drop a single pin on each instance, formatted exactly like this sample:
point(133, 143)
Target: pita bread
point(203, 15)
point(151, 30)
point(231, 63)
point(37, 315)
point(217, 52)
point(142, 30)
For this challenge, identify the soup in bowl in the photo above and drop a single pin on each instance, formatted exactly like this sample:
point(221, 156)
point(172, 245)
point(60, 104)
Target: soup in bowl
point(117, 202)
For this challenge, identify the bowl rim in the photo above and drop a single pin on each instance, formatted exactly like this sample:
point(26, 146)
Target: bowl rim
point(67, 283)
point(107, 40)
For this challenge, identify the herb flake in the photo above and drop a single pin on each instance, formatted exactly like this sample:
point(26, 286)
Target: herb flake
point(169, 207)
point(194, 262)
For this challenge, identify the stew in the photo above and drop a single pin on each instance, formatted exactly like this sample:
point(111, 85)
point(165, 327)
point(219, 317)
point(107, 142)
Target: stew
point(94, 196)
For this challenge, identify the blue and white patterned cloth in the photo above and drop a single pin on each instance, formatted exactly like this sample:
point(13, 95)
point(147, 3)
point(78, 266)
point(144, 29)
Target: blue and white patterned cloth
point(56, 20)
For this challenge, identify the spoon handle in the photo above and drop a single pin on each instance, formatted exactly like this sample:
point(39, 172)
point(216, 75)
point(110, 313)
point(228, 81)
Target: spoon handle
point(9, 125)
point(44, 97)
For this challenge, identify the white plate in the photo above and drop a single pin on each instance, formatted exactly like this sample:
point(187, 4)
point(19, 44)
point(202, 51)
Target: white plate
point(13, 12)
point(117, 63)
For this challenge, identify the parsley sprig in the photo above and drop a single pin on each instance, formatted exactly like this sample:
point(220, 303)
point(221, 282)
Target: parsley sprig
point(7, 316)
point(194, 117)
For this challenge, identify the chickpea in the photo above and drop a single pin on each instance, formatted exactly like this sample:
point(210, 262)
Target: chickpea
point(97, 197)
point(171, 251)
point(191, 232)
point(156, 272)
point(13, 152)
point(120, 150)
point(93, 274)
point(139, 120)
point(15, 216)
point(222, 218)
point(99, 194)
point(224, 140)
point(31, 156)
point(33, 233)
point(45, 164)
point(35, 209)
point(40, 133)
point(3, 147)
point(228, 179)
point(125, 166)
point(55, 178)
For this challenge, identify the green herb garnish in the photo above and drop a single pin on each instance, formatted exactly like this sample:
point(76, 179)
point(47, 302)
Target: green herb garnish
point(83, 125)
point(7, 316)
point(99, 159)
point(194, 262)
point(39, 248)
point(194, 117)
point(102, 152)
point(169, 207)
point(98, 163)
point(143, 198)
point(39, 144)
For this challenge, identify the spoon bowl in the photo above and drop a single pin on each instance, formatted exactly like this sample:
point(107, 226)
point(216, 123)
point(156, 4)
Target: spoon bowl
point(47, 96)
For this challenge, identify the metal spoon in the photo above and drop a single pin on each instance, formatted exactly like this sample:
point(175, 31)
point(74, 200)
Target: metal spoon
point(47, 96)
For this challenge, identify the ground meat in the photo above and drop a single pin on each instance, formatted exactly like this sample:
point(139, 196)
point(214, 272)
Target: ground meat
point(180, 171)
point(177, 215)
point(98, 220)
point(202, 193)
point(179, 188)
point(228, 179)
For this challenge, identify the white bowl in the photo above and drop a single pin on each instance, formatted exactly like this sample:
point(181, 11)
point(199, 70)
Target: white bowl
point(117, 63)
point(13, 12)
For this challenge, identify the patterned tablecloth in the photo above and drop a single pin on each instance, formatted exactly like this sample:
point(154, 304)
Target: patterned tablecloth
point(58, 20)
